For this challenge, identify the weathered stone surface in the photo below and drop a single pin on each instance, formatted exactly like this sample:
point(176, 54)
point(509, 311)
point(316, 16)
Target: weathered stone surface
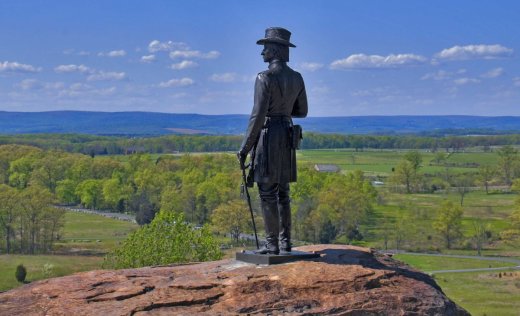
point(345, 280)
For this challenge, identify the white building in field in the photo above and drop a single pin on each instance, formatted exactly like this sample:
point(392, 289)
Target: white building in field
point(326, 168)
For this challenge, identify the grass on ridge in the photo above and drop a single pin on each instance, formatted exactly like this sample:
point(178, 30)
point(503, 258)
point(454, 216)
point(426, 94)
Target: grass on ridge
point(63, 265)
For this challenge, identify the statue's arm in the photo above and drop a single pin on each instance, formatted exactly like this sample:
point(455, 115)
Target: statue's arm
point(300, 107)
point(257, 118)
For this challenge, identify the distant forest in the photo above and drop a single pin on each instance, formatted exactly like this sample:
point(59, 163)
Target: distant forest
point(116, 145)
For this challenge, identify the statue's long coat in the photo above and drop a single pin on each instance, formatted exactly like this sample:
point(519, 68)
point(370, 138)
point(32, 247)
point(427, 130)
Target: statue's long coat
point(279, 95)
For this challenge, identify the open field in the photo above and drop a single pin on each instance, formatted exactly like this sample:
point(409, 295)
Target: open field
point(381, 162)
point(62, 265)
point(481, 293)
point(82, 234)
point(92, 232)
point(484, 293)
point(434, 263)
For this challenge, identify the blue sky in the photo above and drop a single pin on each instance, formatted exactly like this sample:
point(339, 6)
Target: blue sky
point(356, 57)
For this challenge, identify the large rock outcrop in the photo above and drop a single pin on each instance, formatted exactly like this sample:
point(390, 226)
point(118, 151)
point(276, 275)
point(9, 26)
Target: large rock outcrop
point(346, 280)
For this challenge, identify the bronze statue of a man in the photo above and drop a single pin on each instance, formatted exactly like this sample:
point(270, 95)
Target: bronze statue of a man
point(279, 96)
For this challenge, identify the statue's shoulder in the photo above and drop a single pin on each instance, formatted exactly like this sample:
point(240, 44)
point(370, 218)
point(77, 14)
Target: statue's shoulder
point(265, 75)
point(294, 72)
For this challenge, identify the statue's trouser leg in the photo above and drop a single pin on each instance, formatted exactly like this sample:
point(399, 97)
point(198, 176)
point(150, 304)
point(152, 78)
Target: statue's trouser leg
point(284, 209)
point(269, 203)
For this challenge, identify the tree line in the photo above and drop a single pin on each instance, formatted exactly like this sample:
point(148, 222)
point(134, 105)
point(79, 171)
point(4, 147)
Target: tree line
point(118, 145)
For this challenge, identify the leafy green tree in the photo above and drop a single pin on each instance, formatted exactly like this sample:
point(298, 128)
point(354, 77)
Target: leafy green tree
point(346, 200)
point(415, 159)
point(167, 239)
point(115, 193)
point(405, 174)
point(231, 217)
point(481, 234)
point(463, 185)
point(66, 192)
point(49, 169)
point(9, 213)
point(439, 157)
point(213, 192)
point(20, 172)
point(508, 158)
point(143, 208)
point(90, 193)
point(486, 173)
point(449, 222)
point(511, 235)
point(35, 203)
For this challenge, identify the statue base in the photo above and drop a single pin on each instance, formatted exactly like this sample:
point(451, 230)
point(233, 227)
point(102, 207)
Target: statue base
point(250, 257)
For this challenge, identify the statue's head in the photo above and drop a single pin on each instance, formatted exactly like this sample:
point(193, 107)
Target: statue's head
point(276, 44)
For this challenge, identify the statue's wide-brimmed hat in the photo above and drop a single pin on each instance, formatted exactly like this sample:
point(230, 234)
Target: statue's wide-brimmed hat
point(277, 35)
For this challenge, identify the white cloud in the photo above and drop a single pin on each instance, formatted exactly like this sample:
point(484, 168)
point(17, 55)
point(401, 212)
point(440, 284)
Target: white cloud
point(81, 90)
point(183, 65)
point(156, 46)
point(463, 81)
point(72, 51)
point(114, 53)
point(148, 58)
point(73, 68)
point(106, 91)
point(516, 81)
point(310, 66)
point(33, 84)
point(107, 76)
point(194, 54)
point(183, 82)
point(320, 89)
point(493, 73)
point(16, 67)
point(224, 77)
point(474, 52)
point(443, 74)
point(79, 86)
point(180, 50)
point(362, 61)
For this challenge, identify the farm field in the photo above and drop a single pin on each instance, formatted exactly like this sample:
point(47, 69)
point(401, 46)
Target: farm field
point(481, 293)
point(89, 232)
point(381, 162)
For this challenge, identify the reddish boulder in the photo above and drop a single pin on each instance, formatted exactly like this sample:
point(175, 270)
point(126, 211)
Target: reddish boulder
point(345, 280)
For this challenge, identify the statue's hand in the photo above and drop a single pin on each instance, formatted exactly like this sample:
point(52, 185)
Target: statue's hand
point(242, 159)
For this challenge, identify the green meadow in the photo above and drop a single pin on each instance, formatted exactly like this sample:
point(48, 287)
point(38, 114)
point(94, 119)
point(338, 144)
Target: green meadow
point(86, 237)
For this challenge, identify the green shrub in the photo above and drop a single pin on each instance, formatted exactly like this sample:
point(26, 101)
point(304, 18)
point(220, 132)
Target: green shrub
point(167, 239)
point(21, 273)
point(48, 270)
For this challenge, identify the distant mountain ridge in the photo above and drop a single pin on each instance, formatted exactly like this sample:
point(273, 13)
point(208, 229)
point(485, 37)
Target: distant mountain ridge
point(152, 123)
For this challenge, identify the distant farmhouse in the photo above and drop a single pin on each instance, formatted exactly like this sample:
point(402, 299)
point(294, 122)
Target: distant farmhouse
point(326, 168)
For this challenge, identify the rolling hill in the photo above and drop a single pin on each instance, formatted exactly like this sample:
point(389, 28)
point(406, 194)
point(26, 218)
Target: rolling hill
point(151, 123)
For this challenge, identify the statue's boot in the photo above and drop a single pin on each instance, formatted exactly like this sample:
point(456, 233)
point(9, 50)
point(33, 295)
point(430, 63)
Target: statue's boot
point(270, 214)
point(285, 227)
